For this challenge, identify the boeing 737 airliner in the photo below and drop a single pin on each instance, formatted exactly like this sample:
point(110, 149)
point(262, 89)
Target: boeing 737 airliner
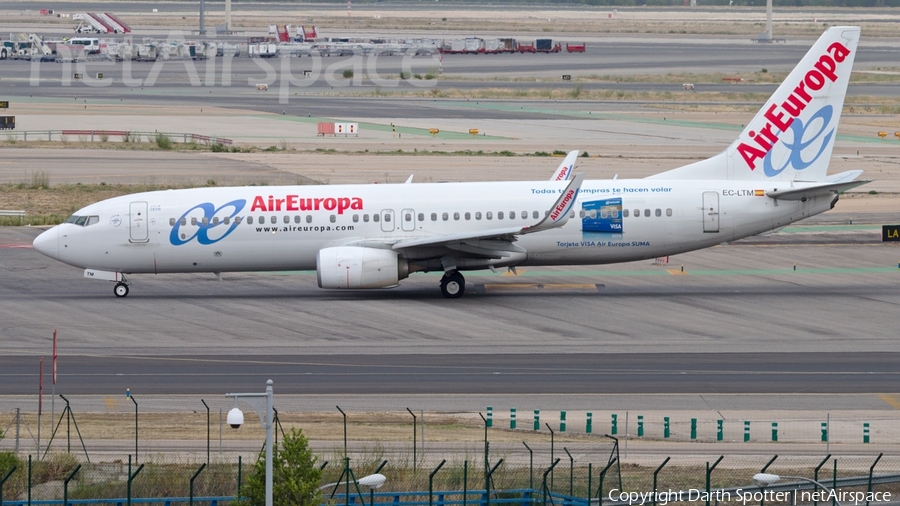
point(373, 236)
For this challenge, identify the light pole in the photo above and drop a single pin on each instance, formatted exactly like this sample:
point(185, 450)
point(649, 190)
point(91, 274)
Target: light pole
point(765, 479)
point(264, 408)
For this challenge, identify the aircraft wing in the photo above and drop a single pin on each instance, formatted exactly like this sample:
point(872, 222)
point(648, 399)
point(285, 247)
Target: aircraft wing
point(499, 241)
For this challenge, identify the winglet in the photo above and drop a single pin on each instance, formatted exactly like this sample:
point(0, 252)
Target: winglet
point(566, 168)
point(559, 213)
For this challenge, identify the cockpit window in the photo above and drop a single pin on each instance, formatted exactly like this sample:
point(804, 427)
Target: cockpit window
point(83, 221)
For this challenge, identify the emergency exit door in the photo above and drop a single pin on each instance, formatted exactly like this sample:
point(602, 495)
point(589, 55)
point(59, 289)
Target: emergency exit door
point(710, 212)
point(138, 222)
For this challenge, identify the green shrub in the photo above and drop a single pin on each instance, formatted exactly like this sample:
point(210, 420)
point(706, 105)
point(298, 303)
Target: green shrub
point(348, 74)
point(15, 485)
point(163, 141)
point(295, 474)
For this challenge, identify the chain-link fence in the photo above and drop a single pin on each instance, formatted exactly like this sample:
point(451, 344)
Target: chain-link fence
point(449, 481)
point(456, 457)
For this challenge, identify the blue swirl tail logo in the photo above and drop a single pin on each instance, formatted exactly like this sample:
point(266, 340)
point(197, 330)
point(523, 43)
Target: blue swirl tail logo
point(801, 141)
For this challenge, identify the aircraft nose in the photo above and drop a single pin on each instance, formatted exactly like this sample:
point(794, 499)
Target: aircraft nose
point(48, 243)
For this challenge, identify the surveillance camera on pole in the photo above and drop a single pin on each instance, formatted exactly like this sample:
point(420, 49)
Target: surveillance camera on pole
point(235, 418)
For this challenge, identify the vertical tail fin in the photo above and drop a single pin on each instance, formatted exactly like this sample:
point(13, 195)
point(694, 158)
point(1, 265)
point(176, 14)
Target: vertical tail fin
point(792, 136)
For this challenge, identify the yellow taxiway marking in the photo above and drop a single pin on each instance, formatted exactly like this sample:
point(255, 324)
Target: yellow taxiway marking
point(890, 399)
point(540, 286)
point(677, 272)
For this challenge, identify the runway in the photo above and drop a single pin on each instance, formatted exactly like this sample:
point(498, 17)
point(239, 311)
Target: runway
point(232, 82)
point(736, 323)
point(464, 374)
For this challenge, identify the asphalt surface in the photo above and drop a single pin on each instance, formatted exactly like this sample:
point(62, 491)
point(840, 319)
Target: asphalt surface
point(737, 323)
point(464, 374)
point(233, 84)
point(740, 321)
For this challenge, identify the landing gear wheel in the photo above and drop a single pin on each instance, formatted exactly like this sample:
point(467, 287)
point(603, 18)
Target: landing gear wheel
point(453, 285)
point(121, 290)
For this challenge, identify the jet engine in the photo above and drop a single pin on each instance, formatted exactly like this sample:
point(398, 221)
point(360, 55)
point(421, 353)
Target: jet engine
point(352, 267)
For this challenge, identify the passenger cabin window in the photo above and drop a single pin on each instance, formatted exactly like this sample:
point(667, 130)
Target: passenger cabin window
point(226, 220)
point(273, 220)
point(237, 220)
point(445, 216)
point(624, 213)
point(669, 212)
point(249, 220)
point(637, 213)
point(536, 215)
point(387, 217)
point(355, 218)
point(455, 216)
point(488, 215)
point(658, 213)
point(365, 218)
point(421, 216)
point(171, 222)
point(193, 221)
point(468, 216)
point(478, 215)
point(332, 218)
point(524, 215)
point(205, 221)
point(215, 220)
point(407, 217)
point(297, 219)
point(375, 218)
point(646, 213)
point(309, 218)
point(433, 216)
point(500, 215)
point(183, 221)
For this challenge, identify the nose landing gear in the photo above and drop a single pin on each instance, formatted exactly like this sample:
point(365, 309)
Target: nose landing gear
point(453, 285)
point(121, 288)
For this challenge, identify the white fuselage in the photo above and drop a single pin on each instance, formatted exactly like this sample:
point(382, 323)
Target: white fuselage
point(613, 221)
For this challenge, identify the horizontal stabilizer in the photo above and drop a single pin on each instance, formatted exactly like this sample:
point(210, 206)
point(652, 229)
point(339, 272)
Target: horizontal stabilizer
point(813, 191)
point(843, 177)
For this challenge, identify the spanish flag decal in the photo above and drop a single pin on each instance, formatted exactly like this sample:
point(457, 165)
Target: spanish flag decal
point(759, 193)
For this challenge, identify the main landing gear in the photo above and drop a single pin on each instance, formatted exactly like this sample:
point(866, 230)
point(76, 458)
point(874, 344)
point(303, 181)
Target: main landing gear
point(453, 285)
point(121, 288)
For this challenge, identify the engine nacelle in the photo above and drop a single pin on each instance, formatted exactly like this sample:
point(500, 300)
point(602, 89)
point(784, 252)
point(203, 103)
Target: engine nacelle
point(352, 267)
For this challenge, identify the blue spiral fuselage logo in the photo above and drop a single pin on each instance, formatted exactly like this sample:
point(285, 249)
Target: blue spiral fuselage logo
point(801, 142)
point(208, 230)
